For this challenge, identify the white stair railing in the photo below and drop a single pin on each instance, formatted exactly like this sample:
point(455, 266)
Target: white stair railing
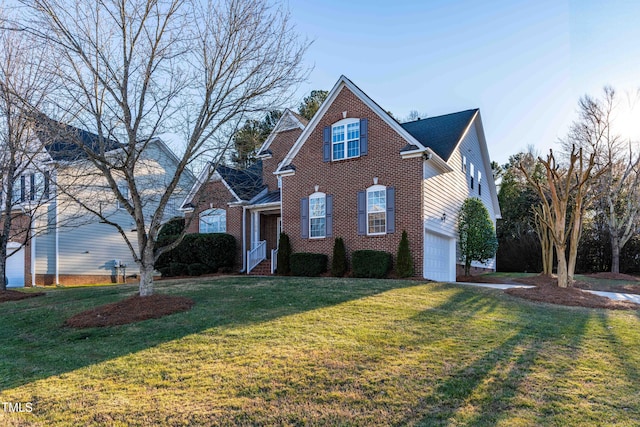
point(256, 255)
point(274, 260)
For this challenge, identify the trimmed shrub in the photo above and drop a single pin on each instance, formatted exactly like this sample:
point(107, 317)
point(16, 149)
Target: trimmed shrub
point(213, 250)
point(339, 261)
point(178, 269)
point(197, 269)
point(173, 227)
point(404, 262)
point(309, 265)
point(371, 264)
point(284, 255)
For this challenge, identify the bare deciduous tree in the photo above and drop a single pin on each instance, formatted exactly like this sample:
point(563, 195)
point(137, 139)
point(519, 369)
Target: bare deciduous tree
point(132, 70)
point(562, 197)
point(23, 186)
point(618, 164)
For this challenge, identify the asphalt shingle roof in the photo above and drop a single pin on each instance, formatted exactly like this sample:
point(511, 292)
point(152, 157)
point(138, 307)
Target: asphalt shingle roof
point(441, 133)
point(246, 183)
point(65, 142)
point(270, 197)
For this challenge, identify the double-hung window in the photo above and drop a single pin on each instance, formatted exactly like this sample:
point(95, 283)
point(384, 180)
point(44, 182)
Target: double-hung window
point(123, 188)
point(376, 210)
point(213, 221)
point(345, 139)
point(317, 215)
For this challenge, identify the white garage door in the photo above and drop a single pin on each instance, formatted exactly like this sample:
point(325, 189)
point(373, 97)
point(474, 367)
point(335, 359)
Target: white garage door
point(15, 266)
point(439, 253)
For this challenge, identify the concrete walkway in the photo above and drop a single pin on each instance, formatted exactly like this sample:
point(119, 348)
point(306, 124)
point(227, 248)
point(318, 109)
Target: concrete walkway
point(611, 295)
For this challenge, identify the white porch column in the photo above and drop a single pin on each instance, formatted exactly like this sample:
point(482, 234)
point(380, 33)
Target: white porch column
point(255, 229)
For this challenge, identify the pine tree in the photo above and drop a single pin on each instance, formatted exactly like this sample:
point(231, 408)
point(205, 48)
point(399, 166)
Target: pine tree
point(339, 261)
point(404, 261)
point(284, 255)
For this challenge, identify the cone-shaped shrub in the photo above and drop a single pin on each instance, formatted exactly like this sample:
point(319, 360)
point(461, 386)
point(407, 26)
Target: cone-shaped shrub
point(339, 261)
point(404, 263)
point(284, 256)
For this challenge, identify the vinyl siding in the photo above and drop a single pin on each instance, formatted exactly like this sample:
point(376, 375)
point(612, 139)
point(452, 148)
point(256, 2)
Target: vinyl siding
point(88, 247)
point(444, 193)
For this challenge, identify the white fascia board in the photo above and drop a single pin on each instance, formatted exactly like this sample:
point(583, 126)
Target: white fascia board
point(333, 94)
point(487, 165)
point(431, 156)
point(279, 127)
point(264, 206)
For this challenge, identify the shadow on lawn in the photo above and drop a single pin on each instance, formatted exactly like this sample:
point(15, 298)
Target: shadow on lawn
point(37, 346)
point(494, 376)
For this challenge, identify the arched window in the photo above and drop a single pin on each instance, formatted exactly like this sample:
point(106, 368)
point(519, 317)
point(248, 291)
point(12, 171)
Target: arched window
point(213, 221)
point(345, 139)
point(317, 215)
point(377, 209)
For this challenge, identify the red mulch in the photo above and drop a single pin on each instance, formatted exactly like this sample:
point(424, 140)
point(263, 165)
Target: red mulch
point(130, 310)
point(547, 290)
point(9, 295)
point(613, 276)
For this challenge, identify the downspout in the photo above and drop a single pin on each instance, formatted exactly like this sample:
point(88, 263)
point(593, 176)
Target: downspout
point(33, 252)
point(244, 239)
point(57, 243)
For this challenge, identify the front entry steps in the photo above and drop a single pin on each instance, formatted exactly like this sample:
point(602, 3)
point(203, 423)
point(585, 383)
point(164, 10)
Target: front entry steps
point(262, 269)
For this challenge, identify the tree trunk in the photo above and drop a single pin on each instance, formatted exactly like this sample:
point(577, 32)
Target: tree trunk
point(615, 254)
point(3, 263)
point(563, 277)
point(467, 267)
point(146, 273)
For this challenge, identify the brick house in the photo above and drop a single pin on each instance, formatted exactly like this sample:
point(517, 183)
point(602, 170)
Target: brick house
point(355, 172)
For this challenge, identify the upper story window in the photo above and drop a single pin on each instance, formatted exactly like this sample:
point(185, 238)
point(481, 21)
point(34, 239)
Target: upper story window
point(479, 183)
point(464, 164)
point(346, 139)
point(33, 187)
point(317, 216)
point(123, 188)
point(471, 174)
point(213, 221)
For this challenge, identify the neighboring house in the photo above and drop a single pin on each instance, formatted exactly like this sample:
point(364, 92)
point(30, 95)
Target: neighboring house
point(355, 172)
point(70, 245)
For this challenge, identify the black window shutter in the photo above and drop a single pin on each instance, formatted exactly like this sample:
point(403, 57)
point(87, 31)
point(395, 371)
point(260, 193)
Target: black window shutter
point(46, 184)
point(326, 144)
point(23, 188)
point(32, 186)
point(391, 210)
point(329, 215)
point(304, 217)
point(364, 137)
point(362, 213)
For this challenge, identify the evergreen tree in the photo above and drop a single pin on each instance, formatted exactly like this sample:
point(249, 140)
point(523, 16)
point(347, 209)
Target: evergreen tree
point(477, 235)
point(404, 261)
point(339, 262)
point(284, 255)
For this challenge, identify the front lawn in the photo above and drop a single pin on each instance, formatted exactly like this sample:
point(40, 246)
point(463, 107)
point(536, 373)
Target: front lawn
point(291, 351)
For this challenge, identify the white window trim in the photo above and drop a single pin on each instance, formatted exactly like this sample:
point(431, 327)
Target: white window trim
point(124, 189)
point(213, 212)
point(384, 210)
point(345, 123)
point(318, 195)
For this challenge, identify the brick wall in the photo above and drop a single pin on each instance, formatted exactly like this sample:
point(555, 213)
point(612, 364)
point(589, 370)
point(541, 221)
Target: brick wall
point(216, 194)
point(343, 179)
point(280, 146)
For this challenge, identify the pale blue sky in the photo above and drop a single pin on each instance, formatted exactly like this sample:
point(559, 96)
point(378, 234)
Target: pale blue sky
point(523, 63)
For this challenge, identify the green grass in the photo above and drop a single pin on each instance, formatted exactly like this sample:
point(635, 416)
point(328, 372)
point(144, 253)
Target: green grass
point(290, 351)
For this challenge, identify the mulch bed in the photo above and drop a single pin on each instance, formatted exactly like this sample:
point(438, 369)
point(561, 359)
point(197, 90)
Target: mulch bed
point(547, 290)
point(10, 295)
point(613, 276)
point(130, 310)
